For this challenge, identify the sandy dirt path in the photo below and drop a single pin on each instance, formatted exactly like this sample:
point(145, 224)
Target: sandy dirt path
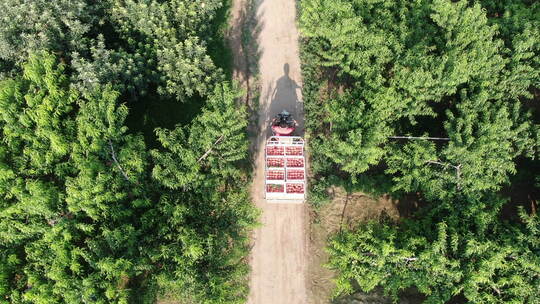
point(279, 255)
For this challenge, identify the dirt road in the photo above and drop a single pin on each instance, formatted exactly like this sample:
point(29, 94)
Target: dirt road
point(279, 255)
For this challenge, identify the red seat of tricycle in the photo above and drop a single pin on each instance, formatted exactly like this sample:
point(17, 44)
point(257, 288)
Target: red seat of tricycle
point(279, 131)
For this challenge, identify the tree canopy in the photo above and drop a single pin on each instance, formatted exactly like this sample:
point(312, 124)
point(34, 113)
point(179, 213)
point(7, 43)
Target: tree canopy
point(452, 250)
point(438, 98)
point(401, 62)
point(98, 205)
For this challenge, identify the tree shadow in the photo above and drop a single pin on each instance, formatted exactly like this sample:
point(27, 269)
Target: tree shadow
point(243, 35)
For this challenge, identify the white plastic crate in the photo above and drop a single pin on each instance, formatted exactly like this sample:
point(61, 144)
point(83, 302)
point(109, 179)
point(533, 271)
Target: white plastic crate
point(285, 174)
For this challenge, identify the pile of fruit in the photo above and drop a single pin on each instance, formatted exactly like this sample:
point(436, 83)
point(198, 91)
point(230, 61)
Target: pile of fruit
point(295, 174)
point(274, 188)
point(295, 188)
point(275, 175)
point(294, 150)
point(295, 162)
point(274, 150)
point(275, 162)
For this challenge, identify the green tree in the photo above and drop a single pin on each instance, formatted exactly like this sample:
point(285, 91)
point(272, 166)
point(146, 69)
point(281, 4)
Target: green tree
point(69, 208)
point(401, 62)
point(62, 26)
point(518, 24)
point(485, 137)
point(83, 219)
point(87, 214)
point(173, 28)
point(377, 72)
point(455, 249)
point(208, 220)
point(216, 141)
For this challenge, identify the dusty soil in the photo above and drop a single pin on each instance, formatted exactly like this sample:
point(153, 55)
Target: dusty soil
point(344, 211)
point(279, 253)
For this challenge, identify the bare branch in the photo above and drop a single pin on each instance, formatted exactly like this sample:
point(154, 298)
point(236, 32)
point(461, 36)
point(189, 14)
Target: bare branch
point(458, 176)
point(415, 137)
point(411, 259)
point(437, 163)
point(116, 161)
point(457, 168)
point(343, 211)
point(210, 150)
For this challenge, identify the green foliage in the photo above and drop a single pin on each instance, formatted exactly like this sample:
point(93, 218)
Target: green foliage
point(127, 71)
point(64, 211)
point(32, 123)
point(519, 25)
point(173, 29)
point(457, 76)
point(137, 46)
point(215, 143)
point(401, 62)
point(83, 220)
point(356, 132)
point(204, 157)
point(210, 268)
point(30, 26)
point(485, 138)
point(87, 212)
point(455, 250)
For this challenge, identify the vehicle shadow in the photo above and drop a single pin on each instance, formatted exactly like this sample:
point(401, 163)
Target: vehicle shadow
point(285, 96)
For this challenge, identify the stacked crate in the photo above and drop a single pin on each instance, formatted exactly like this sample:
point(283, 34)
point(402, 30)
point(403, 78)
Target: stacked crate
point(285, 175)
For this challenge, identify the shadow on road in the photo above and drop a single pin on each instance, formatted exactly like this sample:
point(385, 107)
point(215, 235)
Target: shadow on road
point(285, 96)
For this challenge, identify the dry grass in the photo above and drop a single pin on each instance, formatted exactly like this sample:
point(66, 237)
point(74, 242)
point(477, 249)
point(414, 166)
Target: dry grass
point(344, 211)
